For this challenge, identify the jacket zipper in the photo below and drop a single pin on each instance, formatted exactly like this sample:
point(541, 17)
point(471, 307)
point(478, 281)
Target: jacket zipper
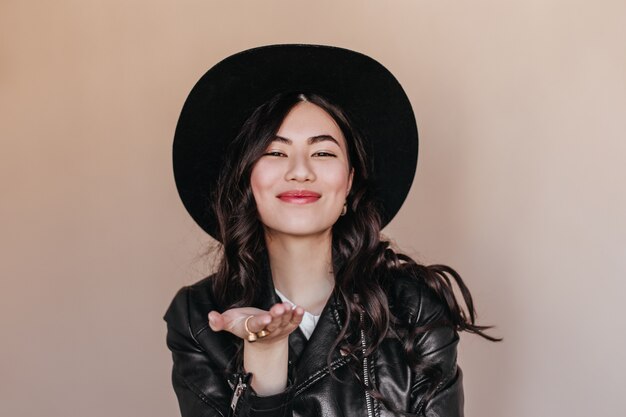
point(366, 377)
point(241, 386)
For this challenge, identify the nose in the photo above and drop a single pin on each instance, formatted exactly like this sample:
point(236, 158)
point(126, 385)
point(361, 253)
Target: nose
point(300, 169)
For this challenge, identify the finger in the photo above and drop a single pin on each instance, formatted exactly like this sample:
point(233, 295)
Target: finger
point(296, 318)
point(286, 317)
point(277, 327)
point(276, 313)
point(281, 314)
point(216, 321)
point(298, 315)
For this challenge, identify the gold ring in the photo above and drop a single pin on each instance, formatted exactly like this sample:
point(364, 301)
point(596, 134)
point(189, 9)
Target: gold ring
point(251, 336)
point(263, 333)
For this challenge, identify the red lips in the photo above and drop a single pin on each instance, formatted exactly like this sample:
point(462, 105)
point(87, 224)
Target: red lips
point(299, 196)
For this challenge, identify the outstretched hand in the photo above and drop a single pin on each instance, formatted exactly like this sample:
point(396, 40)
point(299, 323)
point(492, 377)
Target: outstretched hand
point(280, 321)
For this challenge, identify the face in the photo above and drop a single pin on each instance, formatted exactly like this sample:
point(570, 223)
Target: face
point(301, 182)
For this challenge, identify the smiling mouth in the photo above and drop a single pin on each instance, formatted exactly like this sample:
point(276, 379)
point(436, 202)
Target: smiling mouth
point(299, 197)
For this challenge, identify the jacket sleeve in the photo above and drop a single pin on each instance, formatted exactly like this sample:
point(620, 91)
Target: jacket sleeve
point(438, 347)
point(202, 389)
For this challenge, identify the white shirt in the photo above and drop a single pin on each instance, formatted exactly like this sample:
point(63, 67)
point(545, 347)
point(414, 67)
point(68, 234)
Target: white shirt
point(309, 321)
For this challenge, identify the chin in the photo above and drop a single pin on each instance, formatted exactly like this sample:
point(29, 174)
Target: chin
point(298, 230)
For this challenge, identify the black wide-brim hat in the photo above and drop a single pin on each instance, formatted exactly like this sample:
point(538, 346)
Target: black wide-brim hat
point(224, 98)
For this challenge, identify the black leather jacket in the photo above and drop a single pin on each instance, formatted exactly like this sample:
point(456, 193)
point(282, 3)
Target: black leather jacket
point(205, 389)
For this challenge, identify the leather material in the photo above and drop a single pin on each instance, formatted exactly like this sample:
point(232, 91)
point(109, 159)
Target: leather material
point(204, 387)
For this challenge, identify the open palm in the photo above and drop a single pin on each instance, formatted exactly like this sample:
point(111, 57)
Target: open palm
point(280, 321)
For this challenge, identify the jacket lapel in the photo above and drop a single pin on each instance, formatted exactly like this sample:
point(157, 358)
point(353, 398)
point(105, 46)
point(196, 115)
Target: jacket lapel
point(313, 357)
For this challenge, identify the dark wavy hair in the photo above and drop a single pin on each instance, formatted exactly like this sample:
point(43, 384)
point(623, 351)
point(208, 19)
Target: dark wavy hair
point(364, 263)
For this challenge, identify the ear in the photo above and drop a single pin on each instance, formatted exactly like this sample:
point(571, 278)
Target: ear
point(350, 178)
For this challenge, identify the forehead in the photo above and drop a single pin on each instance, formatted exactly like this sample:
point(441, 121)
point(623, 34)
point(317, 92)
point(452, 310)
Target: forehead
point(306, 120)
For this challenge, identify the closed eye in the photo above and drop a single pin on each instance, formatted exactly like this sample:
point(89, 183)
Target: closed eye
point(274, 153)
point(323, 153)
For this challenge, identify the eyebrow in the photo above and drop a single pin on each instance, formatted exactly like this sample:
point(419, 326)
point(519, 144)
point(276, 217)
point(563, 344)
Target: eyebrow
point(312, 140)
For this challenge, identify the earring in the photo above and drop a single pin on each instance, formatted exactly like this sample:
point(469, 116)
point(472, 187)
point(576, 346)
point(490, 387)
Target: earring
point(344, 210)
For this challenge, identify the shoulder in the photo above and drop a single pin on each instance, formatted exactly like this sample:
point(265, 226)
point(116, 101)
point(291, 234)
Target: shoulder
point(419, 307)
point(190, 306)
point(411, 299)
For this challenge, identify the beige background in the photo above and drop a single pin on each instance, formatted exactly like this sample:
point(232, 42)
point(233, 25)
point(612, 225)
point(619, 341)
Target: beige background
point(521, 107)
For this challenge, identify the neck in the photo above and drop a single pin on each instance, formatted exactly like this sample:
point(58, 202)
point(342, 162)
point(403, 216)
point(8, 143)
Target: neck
point(302, 269)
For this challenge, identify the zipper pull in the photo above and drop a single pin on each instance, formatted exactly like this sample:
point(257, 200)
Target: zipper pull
point(241, 386)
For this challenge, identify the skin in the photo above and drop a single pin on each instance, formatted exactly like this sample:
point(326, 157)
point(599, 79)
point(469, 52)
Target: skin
point(309, 154)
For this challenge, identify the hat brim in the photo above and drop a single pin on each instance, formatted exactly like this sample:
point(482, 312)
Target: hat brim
point(229, 92)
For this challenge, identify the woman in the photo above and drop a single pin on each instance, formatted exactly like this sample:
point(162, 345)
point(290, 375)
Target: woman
point(310, 312)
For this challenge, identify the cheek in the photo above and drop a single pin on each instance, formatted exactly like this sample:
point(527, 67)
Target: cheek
point(338, 178)
point(259, 178)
